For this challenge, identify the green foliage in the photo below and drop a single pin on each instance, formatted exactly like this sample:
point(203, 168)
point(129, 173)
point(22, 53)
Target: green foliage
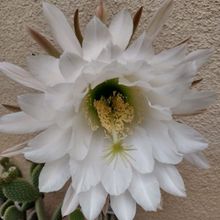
point(27, 205)
point(5, 162)
point(57, 214)
point(20, 190)
point(7, 165)
point(32, 216)
point(4, 206)
point(39, 208)
point(33, 165)
point(35, 174)
point(76, 215)
point(20, 194)
point(2, 196)
point(12, 213)
point(9, 175)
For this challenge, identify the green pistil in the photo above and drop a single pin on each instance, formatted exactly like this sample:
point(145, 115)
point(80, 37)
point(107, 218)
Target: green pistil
point(117, 148)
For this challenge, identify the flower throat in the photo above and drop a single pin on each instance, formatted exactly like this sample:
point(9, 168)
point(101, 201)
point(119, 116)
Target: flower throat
point(110, 103)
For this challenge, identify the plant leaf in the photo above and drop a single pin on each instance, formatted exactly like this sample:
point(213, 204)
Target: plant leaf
point(20, 190)
point(12, 108)
point(4, 206)
point(35, 174)
point(5, 162)
point(12, 213)
point(77, 27)
point(32, 216)
point(39, 207)
point(76, 215)
point(57, 214)
point(44, 43)
point(137, 18)
point(9, 175)
point(2, 196)
point(33, 165)
point(27, 205)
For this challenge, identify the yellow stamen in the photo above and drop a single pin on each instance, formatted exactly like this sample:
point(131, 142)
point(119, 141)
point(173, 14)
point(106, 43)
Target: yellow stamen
point(115, 114)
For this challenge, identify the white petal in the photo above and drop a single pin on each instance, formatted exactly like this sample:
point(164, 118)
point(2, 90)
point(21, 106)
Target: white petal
point(96, 38)
point(194, 102)
point(145, 190)
point(48, 146)
point(88, 172)
point(170, 180)
point(54, 175)
point(94, 68)
point(81, 138)
point(116, 176)
point(64, 95)
point(65, 116)
point(160, 18)
point(71, 66)
point(21, 123)
point(93, 201)
point(198, 57)
point(109, 53)
point(36, 106)
point(46, 69)
point(123, 206)
point(197, 159)
point(141, 151)
point(70, 202)
point(109, 71)
point(164, 149)
point(140, 49)
point(168, 95)
point(121, 28)
point(187, 139)
point(62, 31)
point(21, 76)
point(166, 76)
point(170, 57)
point(159, 112)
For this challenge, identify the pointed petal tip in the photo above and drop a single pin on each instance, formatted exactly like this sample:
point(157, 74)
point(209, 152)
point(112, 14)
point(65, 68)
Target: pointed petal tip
point(46, 5)
point(64, 212)
point(159, 18)
point(43, 188)
point(168, 3)
point(182, 193)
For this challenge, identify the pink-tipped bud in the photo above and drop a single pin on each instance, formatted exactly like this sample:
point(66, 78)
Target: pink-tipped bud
point(100, 11)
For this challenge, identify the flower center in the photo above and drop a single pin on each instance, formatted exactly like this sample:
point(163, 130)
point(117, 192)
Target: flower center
point(114, 113)
point(109, 105)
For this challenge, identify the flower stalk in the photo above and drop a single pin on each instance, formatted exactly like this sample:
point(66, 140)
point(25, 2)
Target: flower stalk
point(40, 209)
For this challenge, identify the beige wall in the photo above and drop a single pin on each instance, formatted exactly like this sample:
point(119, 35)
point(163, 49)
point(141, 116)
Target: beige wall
point(199, 19)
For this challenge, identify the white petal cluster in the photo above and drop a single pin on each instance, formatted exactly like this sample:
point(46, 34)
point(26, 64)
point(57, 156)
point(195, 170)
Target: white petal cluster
point(68, 145)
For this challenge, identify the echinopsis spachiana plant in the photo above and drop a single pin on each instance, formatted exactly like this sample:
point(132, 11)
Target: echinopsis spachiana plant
point(105, 109)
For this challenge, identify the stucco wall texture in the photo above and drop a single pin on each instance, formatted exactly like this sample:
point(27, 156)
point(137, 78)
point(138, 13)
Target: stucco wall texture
point(199, 19)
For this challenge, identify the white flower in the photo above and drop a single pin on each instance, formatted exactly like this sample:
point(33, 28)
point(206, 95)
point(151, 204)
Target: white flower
point(105, 113)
